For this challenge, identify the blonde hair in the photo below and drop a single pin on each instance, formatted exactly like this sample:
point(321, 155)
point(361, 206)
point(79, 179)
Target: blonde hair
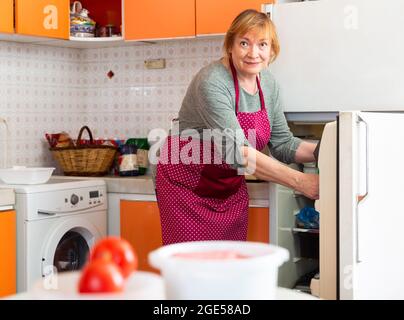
point(246, 21)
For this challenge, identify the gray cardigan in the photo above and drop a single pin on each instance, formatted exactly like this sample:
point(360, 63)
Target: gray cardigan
point(209, 103)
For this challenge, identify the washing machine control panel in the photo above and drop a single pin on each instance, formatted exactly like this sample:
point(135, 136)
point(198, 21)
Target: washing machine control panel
point(79, 199)
point(74, 199)
point(82, 199)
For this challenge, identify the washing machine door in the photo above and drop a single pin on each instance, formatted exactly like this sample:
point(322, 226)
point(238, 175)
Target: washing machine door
point(71, 252)
point(67, 248)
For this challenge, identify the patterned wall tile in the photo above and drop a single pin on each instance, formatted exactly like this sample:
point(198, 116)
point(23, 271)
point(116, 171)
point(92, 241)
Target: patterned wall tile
point(49, 89)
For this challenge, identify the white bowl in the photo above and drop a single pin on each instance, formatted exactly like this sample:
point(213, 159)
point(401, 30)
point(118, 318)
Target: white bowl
point(25, 175)
point(255, 277)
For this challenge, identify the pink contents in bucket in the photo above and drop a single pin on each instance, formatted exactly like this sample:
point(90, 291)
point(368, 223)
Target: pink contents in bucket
point(211, 255)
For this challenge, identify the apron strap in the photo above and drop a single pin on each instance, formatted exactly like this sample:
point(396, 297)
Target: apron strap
point(237, 87)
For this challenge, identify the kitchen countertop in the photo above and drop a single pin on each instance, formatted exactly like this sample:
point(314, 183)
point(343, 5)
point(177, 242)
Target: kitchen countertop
point(144, 185)
point(281, 294)
point(115, 184)
point(7, 198)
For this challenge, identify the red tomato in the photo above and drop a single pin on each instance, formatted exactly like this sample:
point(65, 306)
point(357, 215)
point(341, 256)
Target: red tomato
point(101, 276)
point(116, 250)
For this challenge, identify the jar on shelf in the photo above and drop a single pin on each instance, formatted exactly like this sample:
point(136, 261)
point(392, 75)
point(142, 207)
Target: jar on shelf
point(81, 25)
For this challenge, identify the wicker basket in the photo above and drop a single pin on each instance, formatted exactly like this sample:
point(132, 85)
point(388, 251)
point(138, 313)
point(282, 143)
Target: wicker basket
point(85, 160)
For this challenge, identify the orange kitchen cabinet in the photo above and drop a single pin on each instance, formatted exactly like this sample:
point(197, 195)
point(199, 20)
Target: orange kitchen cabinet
point(8, 266)
point(140, 225)
point(215, 16)
point(7, 16)
point(258, 224)
point(159, 19)
point(45, 18)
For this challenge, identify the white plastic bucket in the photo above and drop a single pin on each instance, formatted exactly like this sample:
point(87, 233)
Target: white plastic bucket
point(255, 277)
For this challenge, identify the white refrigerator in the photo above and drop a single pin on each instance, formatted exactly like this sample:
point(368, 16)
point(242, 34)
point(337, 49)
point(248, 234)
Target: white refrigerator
point(361, 207)
point(337, 56)
point(340, 55)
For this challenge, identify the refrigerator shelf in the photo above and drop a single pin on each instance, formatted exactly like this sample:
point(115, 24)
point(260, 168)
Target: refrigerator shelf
point(315, 231)
point(298, 194)
point(301, 230)
point(298, 259)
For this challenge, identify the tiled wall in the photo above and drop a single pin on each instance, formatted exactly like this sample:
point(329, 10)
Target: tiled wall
point(48, 89)
point(39, 92)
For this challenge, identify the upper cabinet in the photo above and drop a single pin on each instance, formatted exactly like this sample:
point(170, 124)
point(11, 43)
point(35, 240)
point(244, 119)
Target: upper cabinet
point(215, 16)
point(7, 16)
point(159, 19)
point(46, 18)
point(111, 19)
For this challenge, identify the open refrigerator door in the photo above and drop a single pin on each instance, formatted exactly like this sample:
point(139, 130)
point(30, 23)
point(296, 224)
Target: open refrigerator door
point(327, 205)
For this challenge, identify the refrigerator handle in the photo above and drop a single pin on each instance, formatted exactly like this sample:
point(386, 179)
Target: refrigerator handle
point(360, 197)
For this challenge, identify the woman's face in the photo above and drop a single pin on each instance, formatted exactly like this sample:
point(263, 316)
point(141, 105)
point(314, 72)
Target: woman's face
point(251, 53)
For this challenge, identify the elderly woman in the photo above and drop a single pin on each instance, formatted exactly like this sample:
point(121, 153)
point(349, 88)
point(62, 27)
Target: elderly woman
point(201, 198)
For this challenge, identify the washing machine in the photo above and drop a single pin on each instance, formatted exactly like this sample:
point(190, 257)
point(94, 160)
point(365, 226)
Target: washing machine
point(57, 224)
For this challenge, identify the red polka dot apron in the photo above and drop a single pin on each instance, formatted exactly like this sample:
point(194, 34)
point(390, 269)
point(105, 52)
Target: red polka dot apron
point(206, 201)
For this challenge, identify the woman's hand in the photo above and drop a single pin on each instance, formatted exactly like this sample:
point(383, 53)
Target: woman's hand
point(308, 184)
